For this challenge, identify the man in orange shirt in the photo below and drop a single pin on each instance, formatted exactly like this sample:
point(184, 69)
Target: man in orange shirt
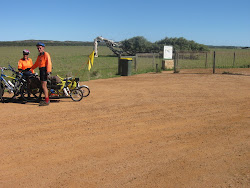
point(43, 61)
point(25, 62)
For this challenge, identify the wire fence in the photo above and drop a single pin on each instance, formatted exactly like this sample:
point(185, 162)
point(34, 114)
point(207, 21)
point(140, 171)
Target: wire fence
point(147, 62)
point(231, 62)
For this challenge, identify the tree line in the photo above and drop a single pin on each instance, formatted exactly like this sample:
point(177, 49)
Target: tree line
point(142, 45)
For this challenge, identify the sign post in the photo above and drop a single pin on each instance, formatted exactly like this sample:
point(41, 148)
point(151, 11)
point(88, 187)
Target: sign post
point(168, 52)
point(167, 62)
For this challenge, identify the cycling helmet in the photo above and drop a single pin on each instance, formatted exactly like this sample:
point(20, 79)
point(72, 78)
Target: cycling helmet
point(40, 44)
point(26, 52)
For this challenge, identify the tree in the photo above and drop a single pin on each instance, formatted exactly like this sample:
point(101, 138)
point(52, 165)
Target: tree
point(182, 44)
point(141, 45)
point(136, 45)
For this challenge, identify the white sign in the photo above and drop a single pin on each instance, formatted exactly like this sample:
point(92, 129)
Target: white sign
point(168, 52)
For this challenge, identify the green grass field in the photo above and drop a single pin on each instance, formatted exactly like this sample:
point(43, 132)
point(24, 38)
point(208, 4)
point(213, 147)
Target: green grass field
point(72, 60)
point(67, 60)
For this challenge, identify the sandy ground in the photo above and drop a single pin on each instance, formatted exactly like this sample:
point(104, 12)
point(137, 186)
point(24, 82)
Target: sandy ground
point(149, 130)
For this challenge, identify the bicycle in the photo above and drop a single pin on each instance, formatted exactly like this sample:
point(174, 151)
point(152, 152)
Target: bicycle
point(74, 83)
point(20, 84)
point(12, 86)
point(59, 87)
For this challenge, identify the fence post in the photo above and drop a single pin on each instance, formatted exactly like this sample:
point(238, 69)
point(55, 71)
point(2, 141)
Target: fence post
point(136, 59)
point(234, 60)
point(175, 61)
point(206, 61)
point(177, 58)
point(153, 59)
point(214, 64)
point(119, 65)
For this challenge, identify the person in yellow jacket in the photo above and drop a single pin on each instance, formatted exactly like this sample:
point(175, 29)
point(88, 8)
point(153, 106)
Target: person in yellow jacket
point(25, 62)
point(43, 61)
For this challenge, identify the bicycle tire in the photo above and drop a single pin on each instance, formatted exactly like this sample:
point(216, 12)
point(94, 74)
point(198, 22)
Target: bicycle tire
point(76, 95)
point(2, 87)
point(16, 89)
point(85, 91)
point(28, 96)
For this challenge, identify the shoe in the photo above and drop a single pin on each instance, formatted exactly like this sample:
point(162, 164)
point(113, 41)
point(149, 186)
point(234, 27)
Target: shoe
point(43, 103)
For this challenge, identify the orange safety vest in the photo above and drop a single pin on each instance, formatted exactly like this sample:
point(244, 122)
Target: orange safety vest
point(43, 60)
point(24, 64)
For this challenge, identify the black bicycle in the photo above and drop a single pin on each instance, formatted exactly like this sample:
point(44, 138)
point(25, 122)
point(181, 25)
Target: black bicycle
point(27, 86)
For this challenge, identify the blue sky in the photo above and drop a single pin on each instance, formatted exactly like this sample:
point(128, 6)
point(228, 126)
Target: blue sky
point(213, 22)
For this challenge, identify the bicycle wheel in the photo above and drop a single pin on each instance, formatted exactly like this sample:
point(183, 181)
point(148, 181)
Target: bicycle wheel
point(85, 91)
point(76, 94)
point(29, 95)
point(17, 89)
point(2, 87)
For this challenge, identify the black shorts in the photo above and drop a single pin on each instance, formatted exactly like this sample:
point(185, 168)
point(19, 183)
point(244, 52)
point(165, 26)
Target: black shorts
point(43, 74)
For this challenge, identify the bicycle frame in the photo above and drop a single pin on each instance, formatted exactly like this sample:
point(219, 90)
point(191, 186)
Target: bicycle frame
point(14, 86)
point(68, 83)
point(68, 87)
point(10, 87)
point(73, 83)
point(18, 81)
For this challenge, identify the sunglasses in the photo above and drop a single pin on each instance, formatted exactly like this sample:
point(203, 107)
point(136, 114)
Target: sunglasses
point(39, 48)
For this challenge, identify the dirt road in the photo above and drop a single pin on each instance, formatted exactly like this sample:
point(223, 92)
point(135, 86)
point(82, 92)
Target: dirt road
point(150, 130)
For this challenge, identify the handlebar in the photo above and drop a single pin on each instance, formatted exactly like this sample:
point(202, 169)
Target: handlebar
point(67, 78)
point(9, 68)
point(13, 70)
point(3, 68)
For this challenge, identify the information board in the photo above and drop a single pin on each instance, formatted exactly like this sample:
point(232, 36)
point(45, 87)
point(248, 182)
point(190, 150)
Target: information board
point(168, 52)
